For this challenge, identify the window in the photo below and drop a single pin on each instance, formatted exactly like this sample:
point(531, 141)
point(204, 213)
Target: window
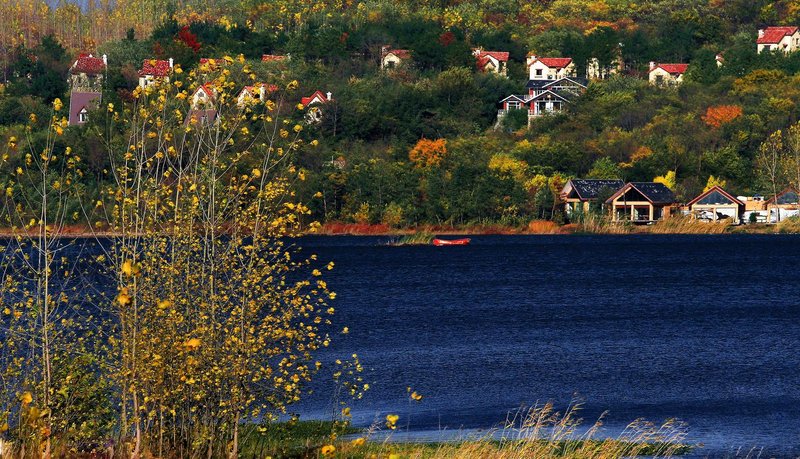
point(538, 72)
point(83, 116)
point(659, 79)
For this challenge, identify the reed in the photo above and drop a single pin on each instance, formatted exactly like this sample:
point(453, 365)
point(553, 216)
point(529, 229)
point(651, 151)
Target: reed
point(539, 432)
point(601, 224)
point(542, 227)
point(687, 225)
point(418, 238)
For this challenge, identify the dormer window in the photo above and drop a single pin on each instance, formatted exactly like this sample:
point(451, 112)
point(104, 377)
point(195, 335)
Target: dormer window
point(83, 115)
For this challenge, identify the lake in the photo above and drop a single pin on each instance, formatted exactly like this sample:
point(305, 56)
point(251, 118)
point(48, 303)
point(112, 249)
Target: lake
point(701, 328)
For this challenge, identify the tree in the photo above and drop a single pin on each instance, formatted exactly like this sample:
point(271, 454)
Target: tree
point(770, 161)
point(428, 153)
point(605, 168)
point(667, 180)
point(714, 181)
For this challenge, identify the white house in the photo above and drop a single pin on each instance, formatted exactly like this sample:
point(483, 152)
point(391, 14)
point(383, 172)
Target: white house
point(153, 70)
point(786, 39)
point(544, 97)
point(666, 74)
point(391, 58)
point(550, 68)
point(314, 114)
point(257, 92)
point(491, 61)
point(203, 105)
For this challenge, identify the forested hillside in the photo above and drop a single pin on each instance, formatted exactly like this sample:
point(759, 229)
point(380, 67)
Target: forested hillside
point(420, 143)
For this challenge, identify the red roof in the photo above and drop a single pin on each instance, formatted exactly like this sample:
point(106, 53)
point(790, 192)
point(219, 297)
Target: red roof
point(317, 95)
point(482, 57)
point(773, 35)
point(672, 68)
point(553, 62)
point(401, 53)
point(88, 64)
point(271, 57)
point(208, 89)
point(156, 68)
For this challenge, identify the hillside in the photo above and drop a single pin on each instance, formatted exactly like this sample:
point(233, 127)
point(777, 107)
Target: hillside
point(420, 143)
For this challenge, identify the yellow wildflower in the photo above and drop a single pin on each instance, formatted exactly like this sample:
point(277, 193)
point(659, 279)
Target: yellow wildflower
point(327, 450)
point(26, 398)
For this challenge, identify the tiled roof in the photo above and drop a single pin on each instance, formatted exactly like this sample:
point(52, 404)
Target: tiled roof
point(553, 62)
point(156, 68)
point(672, 68)
point(656, 193)
point(590, 188)
point(317, 95)
point(722, 193)
point(88, 64)
point(401, 53)
point(272, 57)
point(773, 35)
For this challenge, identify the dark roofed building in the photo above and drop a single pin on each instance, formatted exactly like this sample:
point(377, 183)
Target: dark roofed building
point(641, 202)
point(80, 103)
point(578, 194)
point(716, 204)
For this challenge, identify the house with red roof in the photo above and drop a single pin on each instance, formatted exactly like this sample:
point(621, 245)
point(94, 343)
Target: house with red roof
point(786, 39)
point(314, 114)
point(491, 61)
point(255, 93)
point(666, 74)
point(392, 58)
point(550, 68)
point(86, 77)
point(154, 70)
point(203, 108)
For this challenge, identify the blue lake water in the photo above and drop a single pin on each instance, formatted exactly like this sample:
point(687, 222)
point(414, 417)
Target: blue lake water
point(701, 328)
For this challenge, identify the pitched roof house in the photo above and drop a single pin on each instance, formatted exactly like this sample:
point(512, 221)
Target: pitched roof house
point(666, 74)
point(256, 92)
point(86, 85)
point(203, 108)
point(578, 194)
point(491, 61)
point(716, 204)
point(786, 39)
point(550, 68)
point(391, 58)
point(153, 70)
point(317, 98)
point(544, 97)
point(641, 202)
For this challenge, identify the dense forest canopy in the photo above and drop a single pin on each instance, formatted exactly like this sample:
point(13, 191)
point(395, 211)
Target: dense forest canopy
point(421, 143)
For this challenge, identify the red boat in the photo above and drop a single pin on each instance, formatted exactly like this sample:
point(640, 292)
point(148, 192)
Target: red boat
point(441, 242)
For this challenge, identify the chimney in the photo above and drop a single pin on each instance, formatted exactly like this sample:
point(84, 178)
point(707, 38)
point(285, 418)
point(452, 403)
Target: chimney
point(652, 65)
point(330, 95)
point(171, 62)
point(105, 60)
point(760, 33)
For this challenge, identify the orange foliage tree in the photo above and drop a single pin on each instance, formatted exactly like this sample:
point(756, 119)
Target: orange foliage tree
point(428, 153)
point(718, 115)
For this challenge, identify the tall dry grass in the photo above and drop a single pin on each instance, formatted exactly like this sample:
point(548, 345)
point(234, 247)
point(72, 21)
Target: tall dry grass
point(541, 432)
point(601, 224)
point(680, 224)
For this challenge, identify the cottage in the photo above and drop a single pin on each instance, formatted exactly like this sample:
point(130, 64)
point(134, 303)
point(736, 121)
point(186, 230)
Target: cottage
point(203, 105)
point(491, 61)
point(255, 93)
point(578, 194)
point(641, 202)
point(86, 86)
point(550, 68)
point(786, 39)
point(314, 114)
point(783, 205)
point(666, 74)
point(392, 58)
point(154, 70)
point(716, 204)
point(544, 97)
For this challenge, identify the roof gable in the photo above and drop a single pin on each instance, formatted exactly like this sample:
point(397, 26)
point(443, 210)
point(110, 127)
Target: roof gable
point(566, 82)
point(317, 97)
point(787, 196)
point(548, 94)
point(553, 62)
point(774, 35)
point(400, 53)
point(675, 69)
point(715, 195)
point(653, 192)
